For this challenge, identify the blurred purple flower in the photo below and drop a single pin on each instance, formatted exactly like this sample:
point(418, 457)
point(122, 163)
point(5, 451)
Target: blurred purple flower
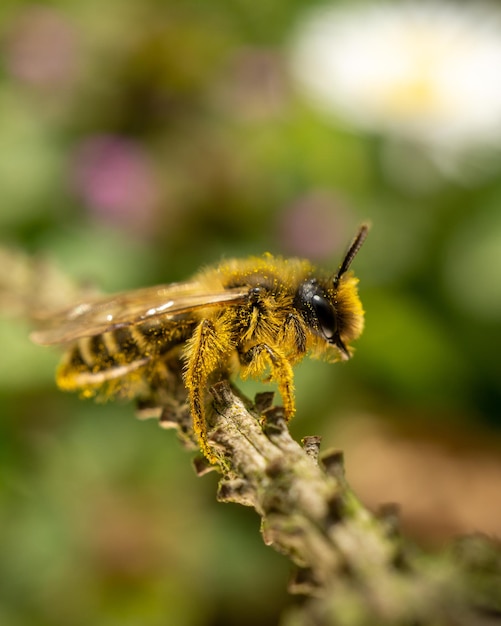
point(116, 179)
point(315, 226)
point(41, 47)
point(254, 85)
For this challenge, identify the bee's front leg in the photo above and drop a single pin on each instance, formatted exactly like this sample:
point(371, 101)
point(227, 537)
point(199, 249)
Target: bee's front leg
point(257, 359)
point(206, 351)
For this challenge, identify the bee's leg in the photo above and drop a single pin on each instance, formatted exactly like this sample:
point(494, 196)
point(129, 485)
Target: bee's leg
point(258, 358)
point(206, 351)
point(293, 333)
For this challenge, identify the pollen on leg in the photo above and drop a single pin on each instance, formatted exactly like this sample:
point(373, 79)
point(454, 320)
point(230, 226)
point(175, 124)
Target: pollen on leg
point(258, 359)
point(206, 351)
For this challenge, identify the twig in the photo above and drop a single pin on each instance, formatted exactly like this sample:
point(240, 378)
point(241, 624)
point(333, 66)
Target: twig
point(354, 566)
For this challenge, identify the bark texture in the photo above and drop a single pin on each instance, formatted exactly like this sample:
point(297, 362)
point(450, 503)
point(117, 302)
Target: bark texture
point(353, 567)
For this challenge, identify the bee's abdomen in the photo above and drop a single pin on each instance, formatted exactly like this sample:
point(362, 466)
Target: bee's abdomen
point(117, 355)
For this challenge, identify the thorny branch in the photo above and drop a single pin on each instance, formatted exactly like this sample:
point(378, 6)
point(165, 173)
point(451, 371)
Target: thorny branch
point(354, 567)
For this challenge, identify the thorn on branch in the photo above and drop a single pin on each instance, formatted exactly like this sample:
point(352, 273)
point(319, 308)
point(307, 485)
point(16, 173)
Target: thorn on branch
point(333, 464)
point(311, 446)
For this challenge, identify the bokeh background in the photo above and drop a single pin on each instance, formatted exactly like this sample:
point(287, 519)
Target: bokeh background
point(142, 139)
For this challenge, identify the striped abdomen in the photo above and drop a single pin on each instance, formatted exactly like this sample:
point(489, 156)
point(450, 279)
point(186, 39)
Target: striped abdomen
point(117, 361)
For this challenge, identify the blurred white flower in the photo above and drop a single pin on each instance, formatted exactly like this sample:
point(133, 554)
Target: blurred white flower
point(425, 72)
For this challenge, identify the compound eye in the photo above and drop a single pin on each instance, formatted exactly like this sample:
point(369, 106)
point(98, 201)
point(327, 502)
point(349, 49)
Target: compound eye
point(326, 316)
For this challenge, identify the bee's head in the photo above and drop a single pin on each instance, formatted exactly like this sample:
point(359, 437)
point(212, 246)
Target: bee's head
point(332, 308)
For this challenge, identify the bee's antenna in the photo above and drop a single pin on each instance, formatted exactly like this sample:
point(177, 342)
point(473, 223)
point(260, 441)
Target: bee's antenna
point(352, 252)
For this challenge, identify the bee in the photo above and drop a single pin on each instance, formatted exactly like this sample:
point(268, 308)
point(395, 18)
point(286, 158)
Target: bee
point(257, 316)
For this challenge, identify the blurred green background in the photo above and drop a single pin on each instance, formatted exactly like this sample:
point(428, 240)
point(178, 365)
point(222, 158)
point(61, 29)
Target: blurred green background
point(142, 139)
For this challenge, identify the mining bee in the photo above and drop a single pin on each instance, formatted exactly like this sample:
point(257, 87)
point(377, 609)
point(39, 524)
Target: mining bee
point(256, 316)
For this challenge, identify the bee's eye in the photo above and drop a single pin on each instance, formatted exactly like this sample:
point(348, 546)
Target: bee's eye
point(326, 316)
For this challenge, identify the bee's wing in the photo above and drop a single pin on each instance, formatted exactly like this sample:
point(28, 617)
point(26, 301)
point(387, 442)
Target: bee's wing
point(105, 314)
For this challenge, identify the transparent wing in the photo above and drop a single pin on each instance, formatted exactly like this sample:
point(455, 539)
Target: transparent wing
point(94, 317)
